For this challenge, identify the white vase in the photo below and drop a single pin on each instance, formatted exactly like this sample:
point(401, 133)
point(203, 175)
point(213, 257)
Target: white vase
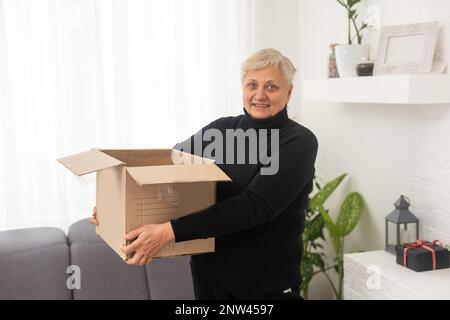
point(348, 55)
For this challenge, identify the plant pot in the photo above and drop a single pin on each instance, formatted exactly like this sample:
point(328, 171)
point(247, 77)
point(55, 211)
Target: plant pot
point(364, 69)
point(348, 56)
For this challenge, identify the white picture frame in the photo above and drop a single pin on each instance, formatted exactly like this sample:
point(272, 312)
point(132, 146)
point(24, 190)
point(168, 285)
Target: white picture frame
point(406, 49)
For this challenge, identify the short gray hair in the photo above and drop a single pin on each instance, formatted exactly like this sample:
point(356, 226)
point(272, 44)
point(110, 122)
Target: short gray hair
point(269, 57)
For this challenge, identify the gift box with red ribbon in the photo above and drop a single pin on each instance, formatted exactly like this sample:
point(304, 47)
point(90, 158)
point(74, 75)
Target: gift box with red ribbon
point(422, 255)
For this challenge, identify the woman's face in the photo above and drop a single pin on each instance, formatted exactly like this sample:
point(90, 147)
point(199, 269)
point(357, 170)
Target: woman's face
point(265, 92)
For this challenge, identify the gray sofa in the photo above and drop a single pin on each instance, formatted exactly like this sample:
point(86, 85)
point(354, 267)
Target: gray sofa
point(44, 263)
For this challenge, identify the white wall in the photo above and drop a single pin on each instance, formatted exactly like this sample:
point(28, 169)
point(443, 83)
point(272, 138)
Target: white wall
point(387, 150)
point(278, 26)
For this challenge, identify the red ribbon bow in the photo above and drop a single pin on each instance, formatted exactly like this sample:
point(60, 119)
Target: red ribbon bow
point(420, 244)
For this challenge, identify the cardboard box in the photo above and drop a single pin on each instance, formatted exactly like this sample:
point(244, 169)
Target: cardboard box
point(138, 187)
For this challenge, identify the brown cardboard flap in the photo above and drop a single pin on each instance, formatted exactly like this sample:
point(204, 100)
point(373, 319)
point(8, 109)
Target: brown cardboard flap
point(180, 157)
point(89, 161)
point(177, 174)
point(141, 157)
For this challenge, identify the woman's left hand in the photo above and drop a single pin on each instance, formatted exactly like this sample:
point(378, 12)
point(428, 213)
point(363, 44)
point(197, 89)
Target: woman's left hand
point(149, 239)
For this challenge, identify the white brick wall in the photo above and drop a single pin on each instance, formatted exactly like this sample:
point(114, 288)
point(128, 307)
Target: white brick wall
point(430, 188)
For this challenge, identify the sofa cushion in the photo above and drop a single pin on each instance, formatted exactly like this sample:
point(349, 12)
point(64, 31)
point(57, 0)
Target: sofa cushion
point(23, 240)
point(33, 264)
point(104, 275)
point(83, 231)
point(170, 279)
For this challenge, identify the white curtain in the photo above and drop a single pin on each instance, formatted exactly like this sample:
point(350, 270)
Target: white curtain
point(78, 74)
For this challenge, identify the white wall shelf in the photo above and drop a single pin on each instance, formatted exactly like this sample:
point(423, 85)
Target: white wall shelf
point(398, 89)
point(396, 282)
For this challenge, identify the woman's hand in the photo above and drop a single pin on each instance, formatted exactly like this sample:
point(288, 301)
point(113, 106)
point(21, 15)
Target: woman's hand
point(150, 238)
point(93, 219)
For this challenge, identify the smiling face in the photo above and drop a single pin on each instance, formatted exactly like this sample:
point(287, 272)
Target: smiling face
point(265, 92)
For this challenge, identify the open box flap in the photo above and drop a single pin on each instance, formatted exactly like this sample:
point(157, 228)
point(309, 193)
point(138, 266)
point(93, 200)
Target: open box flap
point(177, 174)
point(180, 157)
point(89, 161)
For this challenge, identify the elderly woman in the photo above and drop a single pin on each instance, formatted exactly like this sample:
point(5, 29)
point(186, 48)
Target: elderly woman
point(259, 218)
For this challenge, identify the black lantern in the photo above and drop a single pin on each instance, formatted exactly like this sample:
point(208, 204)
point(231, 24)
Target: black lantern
point(400, 226)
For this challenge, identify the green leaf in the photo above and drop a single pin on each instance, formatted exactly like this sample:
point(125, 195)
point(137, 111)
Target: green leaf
point(320, 197)
point(351, 210)
point(314, 229)
point(363, 26)
point(328, 222)
point(332, 230)
point(307, 271)
point(337, 242)
point(342, 3)
point(351, 3)
point(315, 245)
point(317, 260)
point(336, 268)
point(318, 186)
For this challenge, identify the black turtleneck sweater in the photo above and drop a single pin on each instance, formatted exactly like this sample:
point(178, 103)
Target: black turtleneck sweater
point(258, 219)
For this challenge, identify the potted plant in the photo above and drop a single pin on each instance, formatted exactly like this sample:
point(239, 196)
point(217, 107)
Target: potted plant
point(348, 55)
point(318, 218)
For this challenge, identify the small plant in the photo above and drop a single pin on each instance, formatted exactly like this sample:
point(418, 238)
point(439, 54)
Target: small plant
point(349, 5)
point(313, 257)
point(317, 217)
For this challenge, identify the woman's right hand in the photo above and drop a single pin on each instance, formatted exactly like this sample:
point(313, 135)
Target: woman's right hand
point(93, 219)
